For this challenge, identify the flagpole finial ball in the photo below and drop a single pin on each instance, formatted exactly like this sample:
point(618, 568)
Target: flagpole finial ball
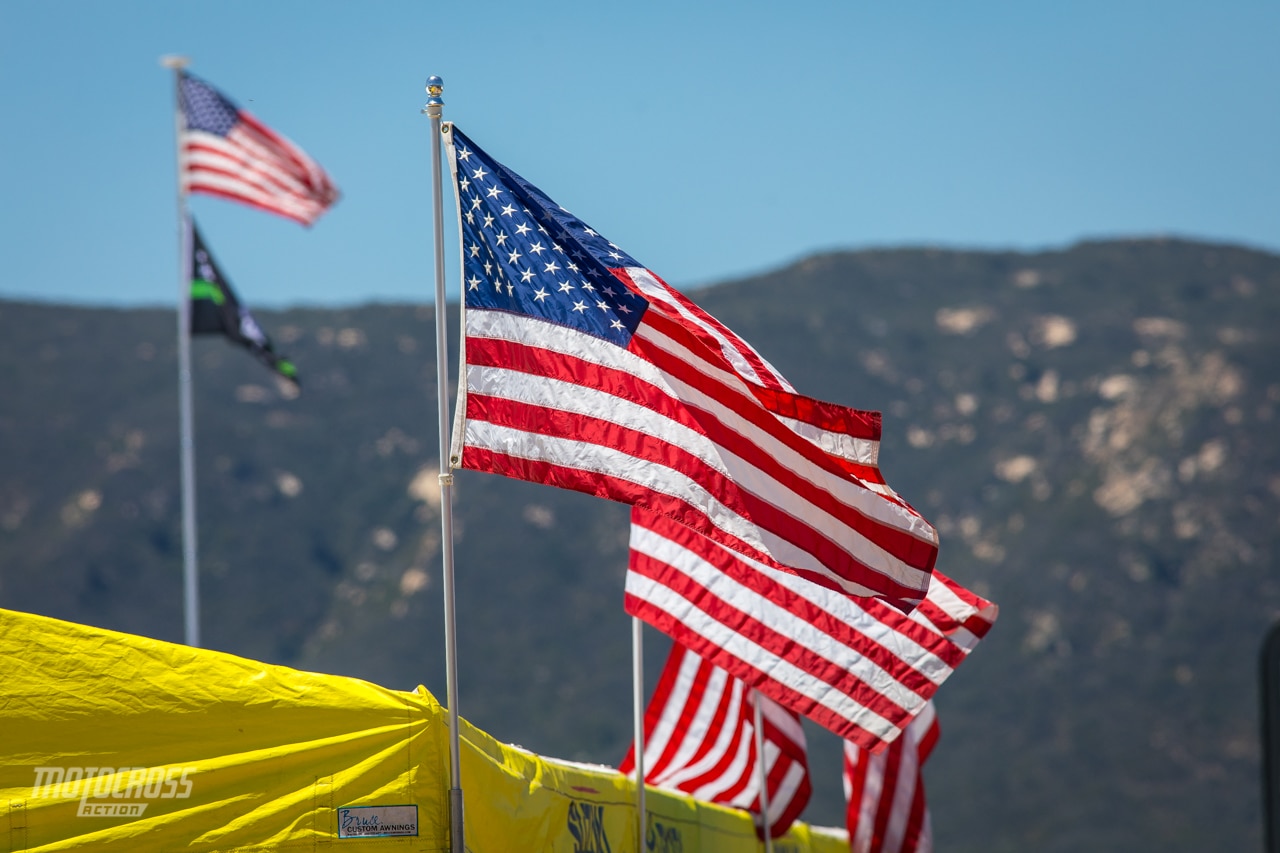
point(435, 87)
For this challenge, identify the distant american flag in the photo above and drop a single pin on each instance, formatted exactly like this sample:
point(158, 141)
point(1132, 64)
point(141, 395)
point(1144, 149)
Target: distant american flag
point(699, 738)
point(585, 371)
point(886, 809)
point(227, 152)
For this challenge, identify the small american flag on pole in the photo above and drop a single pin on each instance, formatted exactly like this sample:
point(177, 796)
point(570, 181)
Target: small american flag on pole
point(699, 738)
point(886, 810)
point(585, 371)
point(226, 152)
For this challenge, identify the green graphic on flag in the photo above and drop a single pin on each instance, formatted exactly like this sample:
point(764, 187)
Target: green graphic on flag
point(215, 310)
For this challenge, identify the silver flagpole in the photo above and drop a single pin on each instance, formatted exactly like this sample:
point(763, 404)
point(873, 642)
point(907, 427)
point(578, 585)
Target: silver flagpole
point(763, 771)
point(637, 714)
point(190, 578)
point(433, 109)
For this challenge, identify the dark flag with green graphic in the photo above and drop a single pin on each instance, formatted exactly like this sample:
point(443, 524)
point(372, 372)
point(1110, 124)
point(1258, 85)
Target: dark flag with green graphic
point(215, 310)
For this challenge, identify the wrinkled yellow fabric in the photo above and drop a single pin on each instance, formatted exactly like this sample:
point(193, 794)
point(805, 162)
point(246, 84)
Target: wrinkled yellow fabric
point(115, 742)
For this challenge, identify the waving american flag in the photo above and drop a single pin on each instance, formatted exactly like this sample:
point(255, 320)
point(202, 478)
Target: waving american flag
point(885, 806)
point(699, 738)
point(226, 152)
point(585, 371)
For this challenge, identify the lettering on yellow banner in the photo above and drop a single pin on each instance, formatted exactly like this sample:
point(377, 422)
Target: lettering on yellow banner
point(586, 825)
point(112, 791)
point(659, 838)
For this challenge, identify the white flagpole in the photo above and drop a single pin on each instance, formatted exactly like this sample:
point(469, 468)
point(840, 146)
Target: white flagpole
point(186, 420)
point(763, 771)
point(637, 715)
point(433, 109)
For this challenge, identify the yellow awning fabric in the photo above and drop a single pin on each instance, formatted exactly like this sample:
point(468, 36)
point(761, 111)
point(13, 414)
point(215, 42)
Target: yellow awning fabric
point(115, 742)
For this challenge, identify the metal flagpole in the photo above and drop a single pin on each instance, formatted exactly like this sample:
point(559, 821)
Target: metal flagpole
point(637, 714)
point(763, 771)
point(186, 441)
point(433, 109)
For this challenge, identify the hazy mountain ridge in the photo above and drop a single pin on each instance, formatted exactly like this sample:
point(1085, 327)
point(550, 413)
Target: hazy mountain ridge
point(1090, 429)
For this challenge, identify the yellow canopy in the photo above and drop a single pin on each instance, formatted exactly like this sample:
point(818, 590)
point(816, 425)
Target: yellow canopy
point(114, 742)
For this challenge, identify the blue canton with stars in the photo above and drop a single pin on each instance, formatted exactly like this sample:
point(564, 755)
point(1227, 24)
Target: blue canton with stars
point(205, 108)
point(525, 254)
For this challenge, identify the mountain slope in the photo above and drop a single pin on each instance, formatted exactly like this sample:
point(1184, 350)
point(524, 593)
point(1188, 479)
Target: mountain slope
point(1091, 430)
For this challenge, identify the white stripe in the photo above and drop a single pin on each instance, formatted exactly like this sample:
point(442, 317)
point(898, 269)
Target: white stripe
point(959, 610)
point(238, 189)
point(780, 800)
point(904, 794)
point(738, 646)
point(733, 737)
point(739, 767)
point(872, 790)
point(784, 722)
point(656, 742)
point(805, 634)
point(255, 173)
point(842, 486)
point(574, 398)
point(607, 462)
point(679, 769)
point(255, 169)
point(649, 285)
point(532, 332)
point(864, 451)
point(842, 609)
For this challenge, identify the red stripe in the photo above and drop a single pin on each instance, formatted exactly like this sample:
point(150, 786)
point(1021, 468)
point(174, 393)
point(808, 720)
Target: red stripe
point(915, 821)
point(280, 150)
point(915, 552)
point(776, 690)
point(836, 617)
point(249, 201)
point(855, 782)
point(779, 692)
point(253, 171)
point(836, 627)
point(757, 509)
point(611, 488)
point(860, 769)
point(688, 707)
point(832, 417)
point(819, 667)
point(769, 377)
point(532, 361)
point(677, 702)
point(889, 764)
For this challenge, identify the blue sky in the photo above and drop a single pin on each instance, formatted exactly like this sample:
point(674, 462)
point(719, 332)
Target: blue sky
point(709, 140)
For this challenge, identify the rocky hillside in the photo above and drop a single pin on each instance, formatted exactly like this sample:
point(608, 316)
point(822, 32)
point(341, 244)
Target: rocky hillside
point(1092, 431)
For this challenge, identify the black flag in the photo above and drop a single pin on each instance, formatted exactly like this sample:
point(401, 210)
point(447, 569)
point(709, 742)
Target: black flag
point(215, 310)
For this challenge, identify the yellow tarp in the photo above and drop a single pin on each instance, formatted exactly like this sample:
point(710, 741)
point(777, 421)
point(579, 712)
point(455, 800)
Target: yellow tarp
point(114, 742)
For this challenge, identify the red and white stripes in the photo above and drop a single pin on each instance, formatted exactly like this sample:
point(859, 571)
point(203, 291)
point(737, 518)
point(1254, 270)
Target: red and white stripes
point(666, 425)
point(886, 811)
point(699, 734)
point(252, 164)
point(856, 666)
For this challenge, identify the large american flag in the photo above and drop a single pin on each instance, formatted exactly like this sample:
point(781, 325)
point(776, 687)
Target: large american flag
point(699, 738)
point(585, 371)
point(227, 152)
point(856, 666)
point(886, 810)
